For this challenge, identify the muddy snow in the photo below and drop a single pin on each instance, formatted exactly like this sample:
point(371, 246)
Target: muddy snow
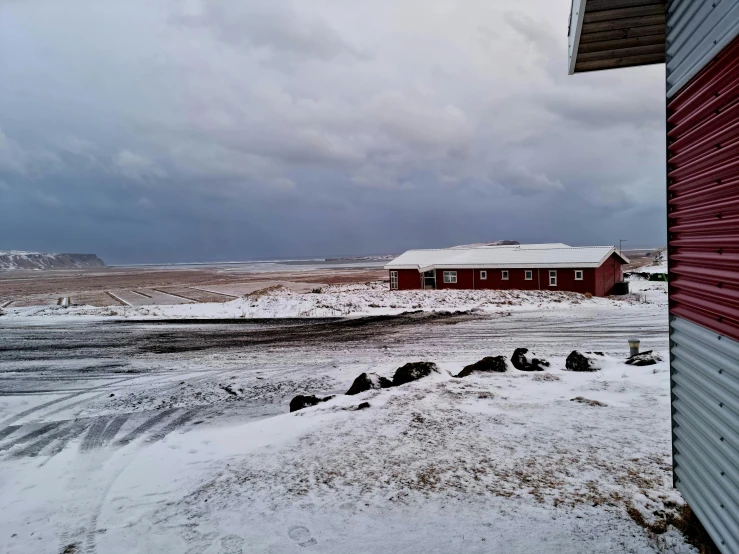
point(124, 431)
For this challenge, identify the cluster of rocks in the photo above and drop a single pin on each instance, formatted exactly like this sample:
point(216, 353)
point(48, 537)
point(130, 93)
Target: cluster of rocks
point(410, 372)
point(523, 360)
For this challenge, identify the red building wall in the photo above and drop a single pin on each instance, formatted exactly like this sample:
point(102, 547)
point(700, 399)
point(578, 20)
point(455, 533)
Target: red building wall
point(607, 275)
point(464, 279)
point(409, 279)
point(599, 281)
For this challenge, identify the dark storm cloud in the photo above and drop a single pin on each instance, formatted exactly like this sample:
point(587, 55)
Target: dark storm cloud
point(230, 129)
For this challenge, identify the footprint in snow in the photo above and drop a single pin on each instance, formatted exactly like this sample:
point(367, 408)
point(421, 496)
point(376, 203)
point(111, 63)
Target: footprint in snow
point(301, 535)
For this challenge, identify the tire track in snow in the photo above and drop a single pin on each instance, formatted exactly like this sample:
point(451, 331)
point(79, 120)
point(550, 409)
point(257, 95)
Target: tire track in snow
point(144, 427)
point(30, 411)
point(112, 430)
point(73, 404)
point(173, 425)
point(66, 434)
point(61, 445)
point(8, 431)
point(30, 436)
point(94, 436)
point(91, 530)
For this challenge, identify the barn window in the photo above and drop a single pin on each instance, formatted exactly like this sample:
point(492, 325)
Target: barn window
point(483, 275)
point(504, 274)
point(450, 276)
point(552, 278)
point(578, 275)
point(529, 275)
point(393, 279)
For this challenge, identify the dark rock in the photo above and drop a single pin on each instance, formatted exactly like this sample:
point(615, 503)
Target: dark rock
point(644, 358)
point(524, 360)
point(413, 372)
point(596, 353)
point(300, 402)
point(588, 401)
point(579, 362)
point(368, 381)
point(363, 406)
point(495, 364)
point(229, 389)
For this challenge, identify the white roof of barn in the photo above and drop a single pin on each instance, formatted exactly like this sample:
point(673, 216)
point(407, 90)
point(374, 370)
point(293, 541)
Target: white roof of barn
point(528, 256)
point(523, 246)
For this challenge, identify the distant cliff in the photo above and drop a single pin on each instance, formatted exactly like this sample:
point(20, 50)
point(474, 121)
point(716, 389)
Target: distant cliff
point(15, 259)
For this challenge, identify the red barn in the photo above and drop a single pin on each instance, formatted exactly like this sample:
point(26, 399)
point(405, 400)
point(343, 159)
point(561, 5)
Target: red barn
point(592, 269)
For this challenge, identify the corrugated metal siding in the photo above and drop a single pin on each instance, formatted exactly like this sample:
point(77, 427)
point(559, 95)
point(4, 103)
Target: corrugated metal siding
point(705, 405)
point(697, 30)
point(703, 196)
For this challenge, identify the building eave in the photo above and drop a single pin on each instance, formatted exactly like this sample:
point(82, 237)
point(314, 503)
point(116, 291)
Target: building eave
point(609, 34)
point(564, 265)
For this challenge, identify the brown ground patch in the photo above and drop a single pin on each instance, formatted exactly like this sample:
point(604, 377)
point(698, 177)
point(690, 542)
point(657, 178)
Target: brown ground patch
point(686, 522)
point(90, 286)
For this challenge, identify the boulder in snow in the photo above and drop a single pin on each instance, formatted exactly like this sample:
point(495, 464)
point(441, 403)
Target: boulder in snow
point(525, 360)
point(413, 371)
point(588, 401)
point(301, 401)
point(579, 362)
point(644, 358)
point(363, 406)
point(494, 364)
point(368, 381)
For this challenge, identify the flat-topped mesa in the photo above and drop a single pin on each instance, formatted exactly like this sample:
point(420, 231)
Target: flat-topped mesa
point(16, 259)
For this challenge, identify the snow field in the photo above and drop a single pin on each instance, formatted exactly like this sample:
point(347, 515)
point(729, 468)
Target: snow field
point(499, 451)
point(359, 300)
point(488, 463)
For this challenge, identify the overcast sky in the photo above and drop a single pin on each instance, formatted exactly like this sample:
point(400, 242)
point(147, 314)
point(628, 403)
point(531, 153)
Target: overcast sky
point(149, 131)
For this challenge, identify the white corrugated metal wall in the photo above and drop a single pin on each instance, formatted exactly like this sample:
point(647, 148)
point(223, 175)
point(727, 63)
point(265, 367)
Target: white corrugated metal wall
point(703, 224)
point(697, 30)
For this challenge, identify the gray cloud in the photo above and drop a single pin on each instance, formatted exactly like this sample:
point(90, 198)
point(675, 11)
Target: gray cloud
point(277, 27)
point(237, 129)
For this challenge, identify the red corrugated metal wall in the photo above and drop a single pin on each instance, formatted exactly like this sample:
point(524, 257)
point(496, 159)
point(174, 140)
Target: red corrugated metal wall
point(703, 196)
point(595, 281)
point(607, 275)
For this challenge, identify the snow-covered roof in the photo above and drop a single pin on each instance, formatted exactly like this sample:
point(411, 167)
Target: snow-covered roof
point(527, 256)
point(522, 246)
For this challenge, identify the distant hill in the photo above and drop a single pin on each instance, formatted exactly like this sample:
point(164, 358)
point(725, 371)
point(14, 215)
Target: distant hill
point(16, 259)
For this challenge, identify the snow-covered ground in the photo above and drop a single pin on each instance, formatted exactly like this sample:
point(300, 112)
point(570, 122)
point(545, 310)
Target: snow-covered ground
point(353, 300)
point(654, 268)
point(119, 436)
